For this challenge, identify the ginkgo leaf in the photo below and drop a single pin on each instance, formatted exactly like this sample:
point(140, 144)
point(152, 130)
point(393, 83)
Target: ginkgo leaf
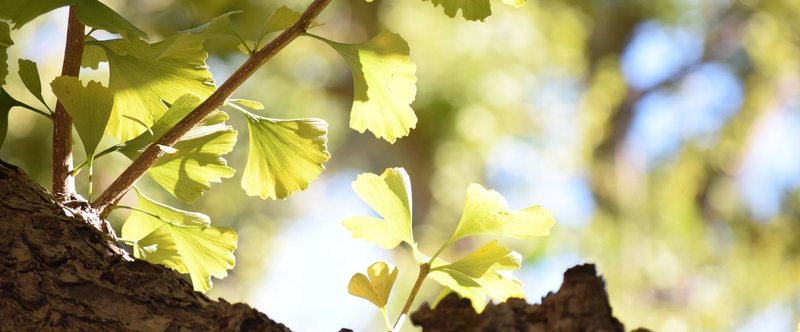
point(220, 26)
point(284, 155)
point(6, 103)
point(95, 14)
point(251, 104)
point(473, 10)
point(22, 12)
point(486, 212)
point(390, 196)
point(376, 285)
point(92, 55)
point(5, 43)
point(281, 19)
point(181, 240)
point(141, 78)
point(490, 256)
point(29, 73)
point(89, 107)
point(92, 13)
point(384, 85)
point(481, 274)
point(188, 172)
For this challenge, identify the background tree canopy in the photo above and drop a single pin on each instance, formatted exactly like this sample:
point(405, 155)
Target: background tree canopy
point(662, 134)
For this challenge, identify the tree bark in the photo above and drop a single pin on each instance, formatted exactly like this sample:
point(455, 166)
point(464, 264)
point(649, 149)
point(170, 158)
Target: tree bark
point(581, 304)
point(61, 270)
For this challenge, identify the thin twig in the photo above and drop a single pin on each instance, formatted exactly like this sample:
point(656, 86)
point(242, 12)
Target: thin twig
point(63, 181)
point(424, 269)
point(150, 155)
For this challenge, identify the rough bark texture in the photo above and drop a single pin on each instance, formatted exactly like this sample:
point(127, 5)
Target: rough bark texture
point(61, 271)
point(580, 305)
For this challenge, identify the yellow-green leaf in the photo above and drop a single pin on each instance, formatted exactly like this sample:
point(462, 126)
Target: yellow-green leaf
point(486, 272)
point(181, 240)
point(220, 26)
point(22, 12)
point(92, 55)
point(490, 256)
point(376, 285)
point(89, 107)
point(251, 104)
point(390, 196)
point(188, 172)
point(5, 43)
point(141, 76)
point(29, 73)
point(284, 155)
point(95, 14)
point(92, 13)
point(384, 85)
point(281, 19)
point(473, 10)
point(486, 212)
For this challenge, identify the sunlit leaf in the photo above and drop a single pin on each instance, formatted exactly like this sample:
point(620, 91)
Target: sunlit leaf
point(490, 256)
point(92, 13)
point(486, 212)
point(197, 163)
point(141, 78)
point(181, 240)
point(284, 155)
point(251, 104)
point(376, 285)
point(89, 107)
point(29, 73)
point(484, 273)
point(5, 43)
point(6, 103)
point(390, 196)
point(384, 85)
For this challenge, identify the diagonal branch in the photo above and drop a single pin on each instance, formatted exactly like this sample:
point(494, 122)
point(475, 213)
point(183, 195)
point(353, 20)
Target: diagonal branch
point(150, 155)
point(63, 181)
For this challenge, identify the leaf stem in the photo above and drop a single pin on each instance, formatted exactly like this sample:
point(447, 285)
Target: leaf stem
point(36, 110)
point(63, 181)
point(113, 148)
point(424, 269)
point(123, 183)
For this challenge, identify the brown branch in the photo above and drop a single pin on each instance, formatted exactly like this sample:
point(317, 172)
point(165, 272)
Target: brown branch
point(150, 155)
point(63, 181)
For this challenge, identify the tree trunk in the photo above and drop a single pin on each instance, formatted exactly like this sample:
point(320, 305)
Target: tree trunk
point(61, 269)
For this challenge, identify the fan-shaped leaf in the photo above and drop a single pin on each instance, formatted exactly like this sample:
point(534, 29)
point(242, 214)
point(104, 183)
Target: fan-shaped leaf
point(390, 196)
point(92, 13)
point(376, 285)
point(481, 274)
point(284, 155)
point(181, 240)
point(189, 171)
point(89, 107)
point(29, 73)
point(6, 103)
point(384, 85)
point(141, 78)
point(486, 212)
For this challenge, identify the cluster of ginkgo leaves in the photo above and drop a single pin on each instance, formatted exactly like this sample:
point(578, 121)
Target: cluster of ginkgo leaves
point(481, 274)
point(153, 85)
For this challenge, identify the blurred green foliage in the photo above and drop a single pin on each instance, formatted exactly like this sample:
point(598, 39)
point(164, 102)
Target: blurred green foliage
point(675, 238)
